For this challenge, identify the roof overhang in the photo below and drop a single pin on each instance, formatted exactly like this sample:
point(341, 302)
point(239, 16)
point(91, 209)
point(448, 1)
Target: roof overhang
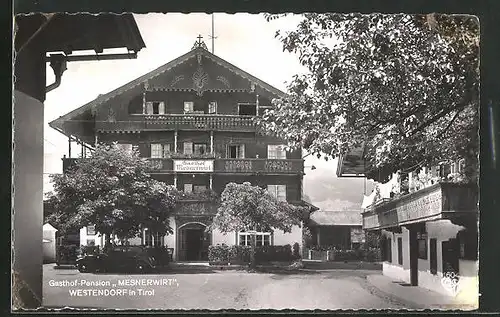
point(63, 32)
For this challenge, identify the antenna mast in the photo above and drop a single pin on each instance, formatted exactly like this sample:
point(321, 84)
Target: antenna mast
point(212, 36)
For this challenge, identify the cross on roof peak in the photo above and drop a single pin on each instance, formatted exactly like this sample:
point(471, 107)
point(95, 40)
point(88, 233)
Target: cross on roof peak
point(200, 43)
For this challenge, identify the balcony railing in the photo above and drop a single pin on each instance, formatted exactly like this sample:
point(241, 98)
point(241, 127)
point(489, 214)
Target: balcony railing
point(250, 165)
point(247, 165)
point(268, 166)
point(440, 201)
point(195, 208)
point(181, 122)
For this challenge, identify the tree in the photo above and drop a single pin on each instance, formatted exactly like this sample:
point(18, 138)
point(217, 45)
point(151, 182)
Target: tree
point(244, 207)
point(404, 87)
point(113, 191)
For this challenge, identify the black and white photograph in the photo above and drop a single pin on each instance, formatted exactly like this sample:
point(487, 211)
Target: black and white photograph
point(196, 161)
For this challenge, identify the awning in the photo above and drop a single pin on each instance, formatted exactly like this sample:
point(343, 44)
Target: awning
point(62, 32)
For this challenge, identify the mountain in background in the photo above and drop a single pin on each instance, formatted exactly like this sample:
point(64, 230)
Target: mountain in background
point(325, 190)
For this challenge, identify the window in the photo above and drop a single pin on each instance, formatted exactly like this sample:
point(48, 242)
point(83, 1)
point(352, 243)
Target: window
point(276, 152)
point(126, 147)
point(188, 188)
point(200, 148)
point(247, 109)
point(188, 147)
point(433, 256)
point(212, 107)
point(91, 230)
point(400, 251)
point(388, 250)
point(160, 150)
point(236, 151)
point(277, 191)
point(188, 106)
point(90, 242)
point(155, 107)
point(422, 243)
point(199, 188)
point(153, 239)
point(261, 238)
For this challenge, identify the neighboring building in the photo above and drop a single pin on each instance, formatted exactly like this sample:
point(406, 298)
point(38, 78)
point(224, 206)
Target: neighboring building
point(338, 220)
point(428, 232)
point(49, 243)
point(194, 118)
point(342, 229)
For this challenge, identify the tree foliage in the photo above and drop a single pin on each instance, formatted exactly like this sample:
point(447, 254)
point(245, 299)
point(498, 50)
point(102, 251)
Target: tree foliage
point(404, 87)
point(113, 191)
point(244, 207)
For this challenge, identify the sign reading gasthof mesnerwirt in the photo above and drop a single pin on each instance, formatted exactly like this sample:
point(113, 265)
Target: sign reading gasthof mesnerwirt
point(193, 165)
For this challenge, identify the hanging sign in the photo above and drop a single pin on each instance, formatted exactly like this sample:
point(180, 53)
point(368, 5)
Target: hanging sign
point(193, 165)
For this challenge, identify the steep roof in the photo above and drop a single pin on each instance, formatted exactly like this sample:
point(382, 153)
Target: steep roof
point(196, 53)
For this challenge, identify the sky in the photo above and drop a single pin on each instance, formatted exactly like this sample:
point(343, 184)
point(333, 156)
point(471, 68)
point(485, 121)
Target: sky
point(245, 40)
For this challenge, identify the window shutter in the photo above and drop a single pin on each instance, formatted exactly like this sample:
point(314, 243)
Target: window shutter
point(188, 147)
point(188, 188)
point(166, 149)
point(149, 107)
point(242, 151)
point(281, 153)
point(281, 192)
point(161, 108)
point(271, 151)
point(272, 190)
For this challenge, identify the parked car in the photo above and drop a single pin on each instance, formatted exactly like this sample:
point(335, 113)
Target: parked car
point(118, 258)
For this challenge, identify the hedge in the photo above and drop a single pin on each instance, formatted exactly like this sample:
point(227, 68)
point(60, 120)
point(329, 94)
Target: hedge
point(237, 254)
point(369, 255)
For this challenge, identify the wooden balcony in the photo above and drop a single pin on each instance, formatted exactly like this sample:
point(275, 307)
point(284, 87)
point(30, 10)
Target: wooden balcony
point(267, 166)
point(229, 166)
point(243, 166)
point(187, 122)
point(439, 201)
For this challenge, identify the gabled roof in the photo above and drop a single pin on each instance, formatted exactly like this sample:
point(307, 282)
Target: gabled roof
point(143, 80)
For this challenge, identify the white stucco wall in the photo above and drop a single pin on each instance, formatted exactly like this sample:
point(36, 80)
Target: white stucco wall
point(221, 238)
point(27, 169)
point(98, 239)
point(281, 238)
point(441, 230)
point(49, 244)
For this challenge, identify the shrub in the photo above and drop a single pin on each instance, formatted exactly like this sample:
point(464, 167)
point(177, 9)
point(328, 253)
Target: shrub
point(296, 250)
point(239, 254)
point(276, 253)
point(67, 254)
point(218, 253)
point(160, 254)
point(89, 250)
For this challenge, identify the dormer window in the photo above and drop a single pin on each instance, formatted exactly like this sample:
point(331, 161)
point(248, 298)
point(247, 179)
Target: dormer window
point(212, 107)
point(188, 107)
point(155, 107)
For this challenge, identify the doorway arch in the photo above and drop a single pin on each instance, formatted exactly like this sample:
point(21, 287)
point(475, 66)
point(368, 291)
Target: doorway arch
point(193, 242)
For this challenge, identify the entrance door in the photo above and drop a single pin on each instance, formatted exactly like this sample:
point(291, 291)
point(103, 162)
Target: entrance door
point(193, 243)
point(194, 240)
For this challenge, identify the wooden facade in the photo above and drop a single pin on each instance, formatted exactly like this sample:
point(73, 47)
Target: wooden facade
point(194, 119)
